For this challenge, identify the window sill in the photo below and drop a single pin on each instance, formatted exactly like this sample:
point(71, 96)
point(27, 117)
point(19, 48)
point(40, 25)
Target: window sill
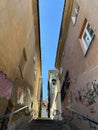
point(83, 48)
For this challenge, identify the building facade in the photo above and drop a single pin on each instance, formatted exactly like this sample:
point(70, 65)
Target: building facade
point(20, 60)
point(77, 57)
point(40, 94)
point(54, 95)
point(44, 113)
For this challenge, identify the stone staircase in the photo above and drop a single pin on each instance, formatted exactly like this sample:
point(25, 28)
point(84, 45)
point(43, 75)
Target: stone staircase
point(46, 124)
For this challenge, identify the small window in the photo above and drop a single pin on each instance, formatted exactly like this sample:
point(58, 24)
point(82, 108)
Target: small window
point(22, 62)
point(75, 12)
point(24, 54)
point(34, 59)
point(54, 81)
point(35, 74)
point(86, 37)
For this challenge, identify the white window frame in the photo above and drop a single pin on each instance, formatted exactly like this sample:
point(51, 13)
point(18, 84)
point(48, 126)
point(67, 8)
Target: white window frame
point(88, 40)
point(75, 13)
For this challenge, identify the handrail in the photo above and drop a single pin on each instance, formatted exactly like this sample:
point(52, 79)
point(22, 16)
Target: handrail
point(82, 115)
point(14, 112)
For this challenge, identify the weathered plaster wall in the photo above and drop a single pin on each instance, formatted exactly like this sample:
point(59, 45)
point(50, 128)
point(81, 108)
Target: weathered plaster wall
point(17, 32)
point(82, 69)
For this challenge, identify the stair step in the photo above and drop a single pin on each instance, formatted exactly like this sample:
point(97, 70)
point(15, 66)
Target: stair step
point(44, 124)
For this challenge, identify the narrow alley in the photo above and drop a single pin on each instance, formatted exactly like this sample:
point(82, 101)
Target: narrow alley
point(72, 86)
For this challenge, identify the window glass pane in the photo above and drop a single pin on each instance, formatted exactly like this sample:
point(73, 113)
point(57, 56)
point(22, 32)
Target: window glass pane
point(86, 39)
point(77, 9)
point(91, 32)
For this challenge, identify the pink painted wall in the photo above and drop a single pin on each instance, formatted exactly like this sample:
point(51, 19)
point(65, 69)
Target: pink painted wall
point(82, 69)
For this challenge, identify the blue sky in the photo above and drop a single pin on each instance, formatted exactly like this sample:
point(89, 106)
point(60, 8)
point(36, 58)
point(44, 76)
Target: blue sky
point(50, 21)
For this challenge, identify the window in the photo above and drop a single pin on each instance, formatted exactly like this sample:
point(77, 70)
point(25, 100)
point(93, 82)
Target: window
point(65, 85)
point(54, 81)
point(22, 62)
point(24, 54)
point(35, 74)
point(86, 36)
point(34, 59)
point(75, 12)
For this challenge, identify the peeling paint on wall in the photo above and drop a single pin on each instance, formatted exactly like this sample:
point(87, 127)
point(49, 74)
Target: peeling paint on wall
point(24, 96)
point(20, 95)
point(86, 96)
point(89, 94)
point(5, 86)
point(83, 93)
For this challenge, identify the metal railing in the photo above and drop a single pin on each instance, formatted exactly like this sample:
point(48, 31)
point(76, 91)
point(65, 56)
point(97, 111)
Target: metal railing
point(67, 119)
point(5, 118)
point(84, 117)
point(12, 113)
